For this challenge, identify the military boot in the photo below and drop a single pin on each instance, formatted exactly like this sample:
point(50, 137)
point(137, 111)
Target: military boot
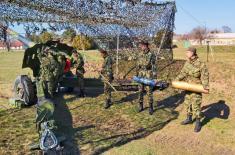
point(198, 125)
point(82, 94)
point(188, 120)
point(141, 107)
point(107, 104)
point(151, 109)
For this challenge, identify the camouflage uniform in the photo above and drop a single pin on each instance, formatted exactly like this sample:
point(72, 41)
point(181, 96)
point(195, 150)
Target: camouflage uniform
point(107, 72)
point(78, 63)
point(49, 71)
point(146, 68)
point(196, 72)
point(61, 59)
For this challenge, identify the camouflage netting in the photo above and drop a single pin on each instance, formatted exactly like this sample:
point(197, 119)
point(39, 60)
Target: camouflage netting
point(103, 20)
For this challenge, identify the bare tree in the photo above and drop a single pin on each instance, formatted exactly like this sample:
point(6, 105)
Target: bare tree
point(199, 33)
point(214, 31)
point(4, 36)
point(184, 37)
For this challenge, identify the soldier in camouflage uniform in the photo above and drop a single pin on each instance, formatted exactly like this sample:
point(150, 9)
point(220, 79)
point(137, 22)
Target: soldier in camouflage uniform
point(77, 62)
point(107, 72)
point(49, 71)
point(194, 71)
point(61, 59)
point(146, 68)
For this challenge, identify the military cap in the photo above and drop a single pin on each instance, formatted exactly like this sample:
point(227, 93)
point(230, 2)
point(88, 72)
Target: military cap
point(193, 50)
point(143, 42)
point(102, 51)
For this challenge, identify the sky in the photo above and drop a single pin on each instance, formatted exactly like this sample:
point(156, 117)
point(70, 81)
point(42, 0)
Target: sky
point(210, 13)
point(192, 13)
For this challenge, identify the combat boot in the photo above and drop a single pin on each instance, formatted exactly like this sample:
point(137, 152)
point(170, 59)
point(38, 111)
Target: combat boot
point(107, 104)
point(198, 125)
point(141, 107)
point(151, 109)
point(82, 94)
point(188, 120)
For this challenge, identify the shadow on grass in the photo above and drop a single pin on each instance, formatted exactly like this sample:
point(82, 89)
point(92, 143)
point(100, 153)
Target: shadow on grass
point(100, 130)
point(172, 101)
point(129, 98)
point(215, 110)
point(65, 128)
point(122, 139)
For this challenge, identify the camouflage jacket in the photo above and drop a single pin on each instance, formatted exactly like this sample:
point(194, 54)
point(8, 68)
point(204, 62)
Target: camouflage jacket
point(107, 67)
point(195, 71)
point(49, 68)
point(146, 65)
point(78, 63)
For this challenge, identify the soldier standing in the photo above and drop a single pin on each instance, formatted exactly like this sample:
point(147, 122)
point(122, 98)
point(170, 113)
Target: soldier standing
point(49, 72)
point(107, 72)
point(194, 71)
point(146, 68)
point(77, 62)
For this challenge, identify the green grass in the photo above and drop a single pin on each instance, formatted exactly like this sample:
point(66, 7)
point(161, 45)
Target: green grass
point(92, 129)
point(85, 123)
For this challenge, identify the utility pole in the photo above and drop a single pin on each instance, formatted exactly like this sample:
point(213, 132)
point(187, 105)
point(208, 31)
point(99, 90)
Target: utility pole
point(208, 48)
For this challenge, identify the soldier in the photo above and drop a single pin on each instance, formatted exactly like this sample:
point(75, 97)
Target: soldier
point(77, 63)
point(194, 71)
point(61, 59)
point(146, 68)
point(49, 72)
point(107, 72)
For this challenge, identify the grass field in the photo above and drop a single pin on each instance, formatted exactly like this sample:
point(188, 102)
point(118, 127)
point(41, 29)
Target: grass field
point(121, 130)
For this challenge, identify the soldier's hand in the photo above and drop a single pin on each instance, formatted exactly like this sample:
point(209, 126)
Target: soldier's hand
point(207, 90)
point(74, 71)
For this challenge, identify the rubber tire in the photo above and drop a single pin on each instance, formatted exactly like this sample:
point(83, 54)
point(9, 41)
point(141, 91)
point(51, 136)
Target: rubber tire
point(29, 95)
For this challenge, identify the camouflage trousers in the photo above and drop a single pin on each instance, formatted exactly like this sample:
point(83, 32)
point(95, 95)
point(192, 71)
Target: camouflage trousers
point(107, 89)
point(149, 91)
point(80, 77)
point(193, 103)
point(49, 88)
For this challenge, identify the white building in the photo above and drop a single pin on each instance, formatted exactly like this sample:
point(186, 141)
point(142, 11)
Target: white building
point(217, 39)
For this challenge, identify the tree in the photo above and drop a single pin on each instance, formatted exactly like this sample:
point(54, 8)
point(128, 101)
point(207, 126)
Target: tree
point(226, 29)
point(184, 37)
point(69, 34)
point(4, 36)
point(82, 42)
point(199, 33)
point(34, 37)
point(45, 36)
point(215, 31)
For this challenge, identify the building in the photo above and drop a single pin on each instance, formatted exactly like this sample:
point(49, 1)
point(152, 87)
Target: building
point(14, 45)
point(217, 39)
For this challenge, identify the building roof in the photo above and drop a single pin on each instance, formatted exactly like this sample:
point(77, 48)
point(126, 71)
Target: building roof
point(13, 43)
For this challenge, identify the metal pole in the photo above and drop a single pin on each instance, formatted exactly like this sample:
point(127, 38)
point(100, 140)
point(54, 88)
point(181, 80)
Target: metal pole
point(207, 50)
point(117, 61)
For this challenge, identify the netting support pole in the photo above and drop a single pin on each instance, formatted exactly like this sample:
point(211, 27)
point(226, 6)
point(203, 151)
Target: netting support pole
point(117, 54)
